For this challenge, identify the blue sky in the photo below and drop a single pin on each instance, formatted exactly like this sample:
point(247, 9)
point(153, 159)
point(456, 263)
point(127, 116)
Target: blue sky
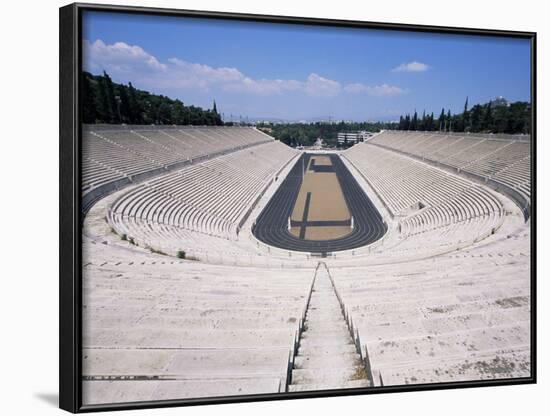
point(301, 72)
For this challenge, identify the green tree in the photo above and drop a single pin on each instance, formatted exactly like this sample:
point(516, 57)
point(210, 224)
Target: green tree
point(111, 104)
point(414, 122)
point(475, 118)
point(465, 117)
point(89, 113)
point(487, 122)
point(133, 105)
point(441, 120)
point(423, 125)
point(107, 102)
point(124, 106)
point(103, 108)
point(407, 122)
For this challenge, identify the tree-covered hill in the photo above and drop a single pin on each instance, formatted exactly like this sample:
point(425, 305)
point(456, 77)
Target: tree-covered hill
point(305, 134)
point(497, 116)
point(104, 101)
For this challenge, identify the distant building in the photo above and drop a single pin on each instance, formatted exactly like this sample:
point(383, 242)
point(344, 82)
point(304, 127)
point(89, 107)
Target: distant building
point(353, 138)
point(500, 102)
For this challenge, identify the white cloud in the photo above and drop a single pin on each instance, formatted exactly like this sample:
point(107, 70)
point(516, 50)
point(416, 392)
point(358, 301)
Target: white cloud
point(262, 86)
point(126, 62)
point(119, 57)
point(314, 85)
point(383, 90)
point(413, 66)
point(318, 86)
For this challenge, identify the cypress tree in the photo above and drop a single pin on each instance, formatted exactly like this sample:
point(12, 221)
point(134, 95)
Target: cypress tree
point(103, 108)
point(441, 119)
point(133, 107)
point(124, 105)
point(475, 118)
point(465, 117)
point(110, 97)
point(487, 123)
point(424, 126)
point(89, 113)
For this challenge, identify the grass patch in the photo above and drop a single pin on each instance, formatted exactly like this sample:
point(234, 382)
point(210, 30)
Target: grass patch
point(360, 373)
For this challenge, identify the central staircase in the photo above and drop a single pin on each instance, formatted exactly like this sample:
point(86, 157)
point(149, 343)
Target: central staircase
point(327, 357)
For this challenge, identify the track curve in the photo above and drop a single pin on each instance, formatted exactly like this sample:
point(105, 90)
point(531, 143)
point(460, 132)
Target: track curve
point(271, 225)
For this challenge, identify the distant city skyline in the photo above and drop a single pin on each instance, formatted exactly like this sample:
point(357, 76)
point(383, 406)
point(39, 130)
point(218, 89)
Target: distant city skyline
point(297, 72)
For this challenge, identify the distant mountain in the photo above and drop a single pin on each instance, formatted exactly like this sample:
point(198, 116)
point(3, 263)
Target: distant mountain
point(306, 120)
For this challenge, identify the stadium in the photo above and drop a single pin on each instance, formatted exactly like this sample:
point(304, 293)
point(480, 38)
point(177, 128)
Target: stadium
point(219, 261)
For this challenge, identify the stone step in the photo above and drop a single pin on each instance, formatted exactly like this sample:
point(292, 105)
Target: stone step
point(315, 342)
point(328, 350)
point(329, 309)
point(337, 324)
point(321, 291)
point(327, 357)
point(327, 295)
point(336, 375)
point(323, 316)
point(326, 360)
point(353, 384)
point(325, 332)
point(324, 292)
point(322, 283)
point(319, 300)
point(340, 335)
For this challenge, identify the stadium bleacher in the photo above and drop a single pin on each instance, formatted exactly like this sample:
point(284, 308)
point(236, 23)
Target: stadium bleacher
point(190, 329)
point(444, 296)
point(116, 152)
point(444, 320)
point(115, 156)
point(212, 197)
point(426, 201)
point(499, 161)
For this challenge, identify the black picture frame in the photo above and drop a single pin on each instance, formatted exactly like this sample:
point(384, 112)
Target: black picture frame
point(70, 265)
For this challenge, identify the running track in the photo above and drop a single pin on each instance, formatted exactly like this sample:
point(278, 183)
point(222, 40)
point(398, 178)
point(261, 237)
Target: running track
point(271, 224)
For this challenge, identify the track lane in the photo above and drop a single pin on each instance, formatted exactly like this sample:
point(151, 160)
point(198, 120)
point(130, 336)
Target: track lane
point(271, 225)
